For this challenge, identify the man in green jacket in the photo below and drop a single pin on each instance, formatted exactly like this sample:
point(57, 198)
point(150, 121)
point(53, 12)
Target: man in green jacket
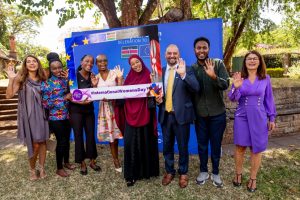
point(210, 109)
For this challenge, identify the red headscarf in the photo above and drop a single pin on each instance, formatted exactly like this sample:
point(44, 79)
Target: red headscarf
point(136, 110)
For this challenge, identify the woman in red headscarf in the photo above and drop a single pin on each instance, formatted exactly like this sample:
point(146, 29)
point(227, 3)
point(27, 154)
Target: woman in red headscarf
point(140, 135)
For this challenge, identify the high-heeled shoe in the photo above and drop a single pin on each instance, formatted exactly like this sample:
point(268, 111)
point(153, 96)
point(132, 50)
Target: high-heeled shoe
point(130, 183)
point(94, 166)
point(237, 183)
point(118, 167)
point(32, 175)
point(251, 189)
point(83, 171)
point(42, 172)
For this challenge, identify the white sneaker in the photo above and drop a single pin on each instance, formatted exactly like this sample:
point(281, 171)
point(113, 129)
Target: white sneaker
point(201, 179)
point(216, 179)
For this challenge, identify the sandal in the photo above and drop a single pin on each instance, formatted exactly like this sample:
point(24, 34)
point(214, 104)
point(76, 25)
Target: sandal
point(94, 166)
point(70, 166)
point(32, 175)
point(62, 173)
point(83, 169)
point(250, 189)
point(237, 183)
point(42, 172)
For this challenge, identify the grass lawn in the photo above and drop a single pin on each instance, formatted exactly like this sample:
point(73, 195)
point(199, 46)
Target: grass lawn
point(279, 178)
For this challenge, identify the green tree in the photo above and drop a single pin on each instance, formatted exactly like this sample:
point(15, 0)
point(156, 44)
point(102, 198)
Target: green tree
point(14, 23)
point(241, 17)
point(25, 48)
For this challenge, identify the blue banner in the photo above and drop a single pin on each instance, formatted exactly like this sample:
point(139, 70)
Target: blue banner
point(183, 35)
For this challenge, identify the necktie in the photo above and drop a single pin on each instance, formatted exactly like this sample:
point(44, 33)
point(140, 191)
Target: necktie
point(169, 104)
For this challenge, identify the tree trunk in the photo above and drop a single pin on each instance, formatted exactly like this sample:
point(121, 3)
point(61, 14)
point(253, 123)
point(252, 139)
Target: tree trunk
point(132, 14)
point(108, 9)
point(130, 11)
point(232, 42)
point(237, 30)
point(186, 6)
point(150, 8)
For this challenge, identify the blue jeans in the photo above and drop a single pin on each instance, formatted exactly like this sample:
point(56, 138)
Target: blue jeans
point(172, 129)
point(210, 129)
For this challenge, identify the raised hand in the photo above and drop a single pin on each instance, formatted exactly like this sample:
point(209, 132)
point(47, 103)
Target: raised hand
point(65, 74)
point(10, 71)
point(237, 80)
point(209, 68)
point(181, 70)
point(118, 71)
point(94, 80)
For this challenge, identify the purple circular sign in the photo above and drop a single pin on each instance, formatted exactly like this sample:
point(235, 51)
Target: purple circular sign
point(77, 95)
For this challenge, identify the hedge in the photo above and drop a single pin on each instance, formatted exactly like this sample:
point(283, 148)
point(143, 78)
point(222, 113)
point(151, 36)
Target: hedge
point(275, 72)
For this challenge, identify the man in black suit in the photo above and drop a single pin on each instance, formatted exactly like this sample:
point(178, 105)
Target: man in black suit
point(176, 112)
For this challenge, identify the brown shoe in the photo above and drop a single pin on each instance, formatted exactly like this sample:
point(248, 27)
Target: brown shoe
point(167, 179)
point(183, 180)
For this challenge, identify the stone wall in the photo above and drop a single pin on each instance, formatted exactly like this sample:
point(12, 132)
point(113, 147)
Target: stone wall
point(287, 101)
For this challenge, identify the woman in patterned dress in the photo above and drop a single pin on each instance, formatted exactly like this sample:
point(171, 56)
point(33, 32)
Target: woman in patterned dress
point(55, 98)
point(108, 130)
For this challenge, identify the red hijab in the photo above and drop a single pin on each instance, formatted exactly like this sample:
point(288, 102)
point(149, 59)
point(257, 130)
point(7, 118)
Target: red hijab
point(137, 113)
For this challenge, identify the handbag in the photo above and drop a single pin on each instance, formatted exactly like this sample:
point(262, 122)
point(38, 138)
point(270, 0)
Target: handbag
point(51, 144)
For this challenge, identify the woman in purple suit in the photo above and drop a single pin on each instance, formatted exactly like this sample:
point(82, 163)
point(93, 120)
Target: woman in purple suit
point(254, 116)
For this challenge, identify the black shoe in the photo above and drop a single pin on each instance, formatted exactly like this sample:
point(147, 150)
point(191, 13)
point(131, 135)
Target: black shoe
point(83, 171)
point(95, 167)
point(236, 183)
point(130, 183)
point(250, 189)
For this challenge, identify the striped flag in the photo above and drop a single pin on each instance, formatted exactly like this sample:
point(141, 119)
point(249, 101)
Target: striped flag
point(110, 36)
point(127, 51)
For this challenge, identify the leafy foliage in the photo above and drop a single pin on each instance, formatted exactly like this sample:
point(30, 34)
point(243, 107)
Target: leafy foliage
point(14, 22)
point(244, 25)
point(273, 60)
point(275, 72)
point(294, 71)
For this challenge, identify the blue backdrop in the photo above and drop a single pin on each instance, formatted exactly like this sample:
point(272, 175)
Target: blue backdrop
point(183, 35)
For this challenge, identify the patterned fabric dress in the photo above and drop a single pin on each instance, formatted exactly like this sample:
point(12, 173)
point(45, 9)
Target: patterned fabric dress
point(53, 92)
point(107, 130)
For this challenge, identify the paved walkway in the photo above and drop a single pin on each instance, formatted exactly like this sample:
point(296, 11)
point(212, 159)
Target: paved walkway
point(9, 139)
point(286, 142)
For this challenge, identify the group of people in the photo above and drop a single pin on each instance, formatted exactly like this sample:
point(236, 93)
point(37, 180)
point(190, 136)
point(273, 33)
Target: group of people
point(190, 95)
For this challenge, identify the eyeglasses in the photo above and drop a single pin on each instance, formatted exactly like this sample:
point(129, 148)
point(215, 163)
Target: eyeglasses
point(104, 60)
point(254, 59)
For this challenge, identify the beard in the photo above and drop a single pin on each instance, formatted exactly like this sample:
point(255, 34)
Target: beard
point(201, 59)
